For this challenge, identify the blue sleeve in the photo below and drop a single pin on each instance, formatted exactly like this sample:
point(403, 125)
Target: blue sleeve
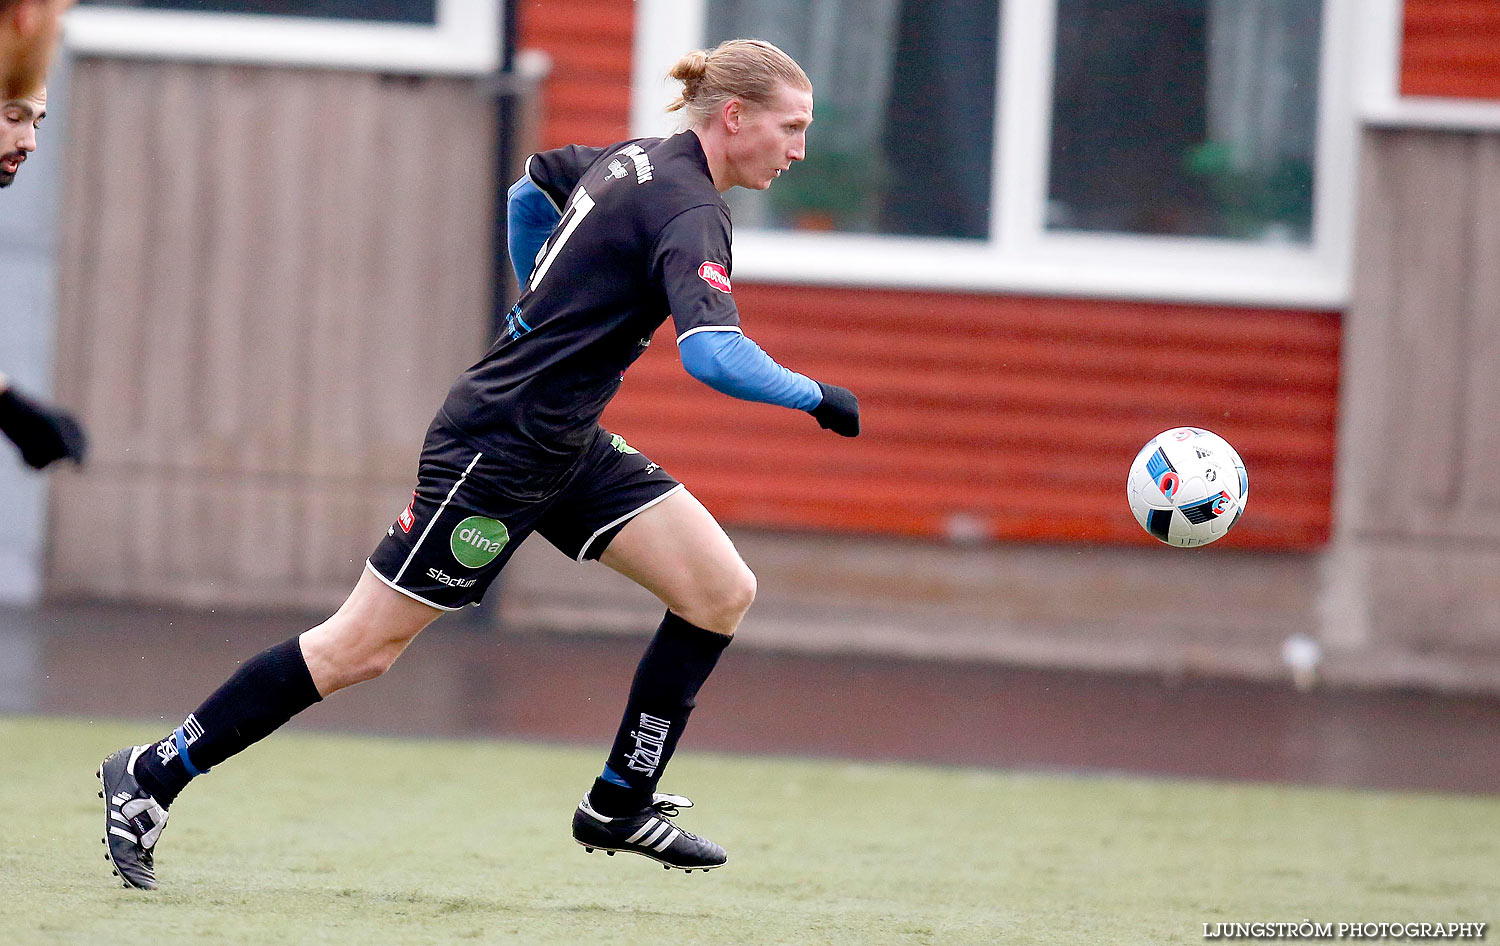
point(733, 364)
point(529, 219)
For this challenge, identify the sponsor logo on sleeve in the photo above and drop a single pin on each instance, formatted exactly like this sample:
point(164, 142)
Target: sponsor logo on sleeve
point(715, 275)
point(407, 519)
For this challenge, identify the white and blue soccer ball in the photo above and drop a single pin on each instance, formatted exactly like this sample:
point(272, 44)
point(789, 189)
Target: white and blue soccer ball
point(1187, 487)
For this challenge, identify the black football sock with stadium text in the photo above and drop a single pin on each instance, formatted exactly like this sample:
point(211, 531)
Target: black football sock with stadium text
point(677, 661)
point(266, 691)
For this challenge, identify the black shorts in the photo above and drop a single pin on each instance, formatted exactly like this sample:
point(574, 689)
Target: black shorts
point(460, 528)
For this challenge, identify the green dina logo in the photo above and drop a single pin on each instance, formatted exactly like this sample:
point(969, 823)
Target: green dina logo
point(477, 540)
point(618, 442)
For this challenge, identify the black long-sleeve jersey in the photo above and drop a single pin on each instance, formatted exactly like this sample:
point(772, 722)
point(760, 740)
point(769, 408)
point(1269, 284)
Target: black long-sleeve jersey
point(643, 234)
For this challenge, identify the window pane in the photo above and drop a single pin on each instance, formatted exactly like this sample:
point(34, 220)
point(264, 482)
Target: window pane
point(1187, 117)
point(386, 11)
point(904, 113)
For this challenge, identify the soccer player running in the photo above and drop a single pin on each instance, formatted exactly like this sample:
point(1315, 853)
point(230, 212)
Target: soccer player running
point(43, 433)
point(607, 242)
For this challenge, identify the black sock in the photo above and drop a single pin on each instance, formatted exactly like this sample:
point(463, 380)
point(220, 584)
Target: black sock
point(268, 689)
point(678, 660)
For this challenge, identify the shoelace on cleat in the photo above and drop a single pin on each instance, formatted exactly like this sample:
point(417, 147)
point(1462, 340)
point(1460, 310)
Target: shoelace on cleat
point(665, 808)
point(668, 808)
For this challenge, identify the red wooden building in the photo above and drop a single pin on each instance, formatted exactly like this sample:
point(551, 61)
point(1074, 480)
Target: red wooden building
point(1029, 235)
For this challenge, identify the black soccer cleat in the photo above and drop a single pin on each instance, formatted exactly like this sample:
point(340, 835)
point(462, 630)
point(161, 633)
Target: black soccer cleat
point(647, 832)
point(133, 820)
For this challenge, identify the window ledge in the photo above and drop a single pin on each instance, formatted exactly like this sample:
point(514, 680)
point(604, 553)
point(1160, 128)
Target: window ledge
point(465, 41)
point(1096, 266)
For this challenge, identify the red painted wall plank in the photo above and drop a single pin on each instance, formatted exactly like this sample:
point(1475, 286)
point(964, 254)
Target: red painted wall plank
point(1451, 49)
point(586, 99)
point(1014, 417)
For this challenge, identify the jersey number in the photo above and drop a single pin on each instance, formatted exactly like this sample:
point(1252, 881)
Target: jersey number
point(579, 208)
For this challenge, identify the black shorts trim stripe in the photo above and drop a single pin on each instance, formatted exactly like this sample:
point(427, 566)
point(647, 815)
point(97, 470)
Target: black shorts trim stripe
point(412, 595)
point(625, 518)
point(433, 521)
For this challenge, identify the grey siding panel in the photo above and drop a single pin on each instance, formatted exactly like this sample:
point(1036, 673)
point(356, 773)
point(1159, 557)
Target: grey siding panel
point(1421, 392)
point(269, 279)
point(1415, 578)
point(1480, 449)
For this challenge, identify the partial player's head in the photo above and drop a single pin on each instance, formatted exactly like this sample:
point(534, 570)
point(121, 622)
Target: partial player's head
point(19, 118)
point(28, 34)
point(750, 104)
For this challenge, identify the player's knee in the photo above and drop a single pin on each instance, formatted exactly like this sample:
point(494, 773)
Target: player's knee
point(372, 662)
point(742, 590)
point(342, 652)
point(730, 599)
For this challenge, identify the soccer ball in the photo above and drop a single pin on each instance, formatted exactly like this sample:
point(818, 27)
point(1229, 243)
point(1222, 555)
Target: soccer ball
point(1187, 487)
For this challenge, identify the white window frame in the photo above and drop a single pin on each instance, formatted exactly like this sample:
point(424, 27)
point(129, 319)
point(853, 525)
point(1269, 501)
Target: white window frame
point(1021, 255)
point(1383, 104)
point(465, 40)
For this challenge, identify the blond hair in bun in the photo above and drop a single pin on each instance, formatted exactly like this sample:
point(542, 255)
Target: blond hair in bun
point(749, 69)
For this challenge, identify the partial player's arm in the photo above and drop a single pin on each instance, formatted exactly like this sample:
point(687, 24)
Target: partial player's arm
point(529, 219)
point(730, 362)
point(43, 433)
point(534, 203)
point(692, 258)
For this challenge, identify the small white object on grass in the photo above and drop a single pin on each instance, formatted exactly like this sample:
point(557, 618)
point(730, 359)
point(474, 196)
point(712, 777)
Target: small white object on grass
point(1302, 654)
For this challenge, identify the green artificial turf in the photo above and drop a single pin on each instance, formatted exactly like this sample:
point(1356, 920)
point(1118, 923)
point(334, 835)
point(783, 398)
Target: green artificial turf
point(369, 841)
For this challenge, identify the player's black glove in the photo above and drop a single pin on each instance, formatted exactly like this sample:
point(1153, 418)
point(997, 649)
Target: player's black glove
point(838, 411)
point(44, 434)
